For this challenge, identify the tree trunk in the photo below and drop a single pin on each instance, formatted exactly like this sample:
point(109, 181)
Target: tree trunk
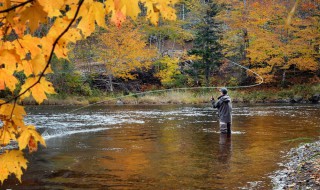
point(245, 43)
point(283, 78)
point(207, 72)
point(183, 17)
point(110, 83)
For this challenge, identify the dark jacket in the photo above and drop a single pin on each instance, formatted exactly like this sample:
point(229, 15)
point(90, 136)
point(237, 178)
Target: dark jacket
point(224, 108)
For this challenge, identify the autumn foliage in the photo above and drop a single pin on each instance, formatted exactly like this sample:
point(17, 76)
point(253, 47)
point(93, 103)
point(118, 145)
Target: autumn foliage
point(273, 37)
point(123, 50)
point(27, 48)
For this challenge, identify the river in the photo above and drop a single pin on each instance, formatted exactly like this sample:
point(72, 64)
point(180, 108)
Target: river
point(163, 146)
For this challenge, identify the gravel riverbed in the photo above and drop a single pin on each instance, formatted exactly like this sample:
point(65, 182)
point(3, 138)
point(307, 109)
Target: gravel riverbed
point(302, 169)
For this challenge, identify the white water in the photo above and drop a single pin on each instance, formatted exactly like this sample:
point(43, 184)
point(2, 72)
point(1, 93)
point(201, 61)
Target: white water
point(61, 124)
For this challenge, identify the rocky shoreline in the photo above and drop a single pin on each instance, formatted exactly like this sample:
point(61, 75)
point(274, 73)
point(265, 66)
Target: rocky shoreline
point(302, 171)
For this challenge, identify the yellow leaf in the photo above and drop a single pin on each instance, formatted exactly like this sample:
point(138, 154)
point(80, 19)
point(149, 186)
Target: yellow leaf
point(73, 35)
point(52, 7)
point(28, 44)
point(109, 6)
point(13, 113)
point(163, 7)
point(46, 44)
point(19, 29)
point(28, 134)
point(39, 90)
point(5, 136)
point(10, 59)
point(35, 15)
point(99, 15)
point(132, 8)
point(12, 162)
point(47, 86)
point(95, 13)
point(152, 13)
point(8, 79)
point(87, 25)
point(61, 49)
point(38, 64)
point(2, 86)
point(26, 67)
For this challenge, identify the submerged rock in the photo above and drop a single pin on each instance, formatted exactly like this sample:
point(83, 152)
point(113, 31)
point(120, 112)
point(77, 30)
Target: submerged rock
point(315, 98)
point(119, 102)
point(296, 99)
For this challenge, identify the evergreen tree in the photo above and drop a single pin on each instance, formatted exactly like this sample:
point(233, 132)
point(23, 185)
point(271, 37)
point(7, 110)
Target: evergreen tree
point(207, 44)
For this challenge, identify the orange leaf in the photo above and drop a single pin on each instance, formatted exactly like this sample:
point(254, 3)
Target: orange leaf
point(30, 137)
point(118, 18)
point(35, 15)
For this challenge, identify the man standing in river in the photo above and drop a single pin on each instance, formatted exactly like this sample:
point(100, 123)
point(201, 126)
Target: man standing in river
point(224, 107)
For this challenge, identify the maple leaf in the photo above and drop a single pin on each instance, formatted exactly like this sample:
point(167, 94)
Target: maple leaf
point(8, 79)
point(30, 137)
point(72, 36)
point(9, 59)
point(109, 6)
point(127, 7)
point(118, 18)
point(38, 64)
point(95, 13)
point(6, 136)
point(2, 86)
point(12, 117)
point(39, 90)
point(132, 8)
point(12, 162)
point(28, 44)
point(61, 49)
point(12, 111)
point(152, 13)
point(52, 7)
point(35, 15)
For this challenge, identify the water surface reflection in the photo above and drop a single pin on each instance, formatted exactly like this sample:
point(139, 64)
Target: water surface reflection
point(163, 147)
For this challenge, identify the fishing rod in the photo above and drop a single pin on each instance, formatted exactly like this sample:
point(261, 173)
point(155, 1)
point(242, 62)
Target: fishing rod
point(185, 88)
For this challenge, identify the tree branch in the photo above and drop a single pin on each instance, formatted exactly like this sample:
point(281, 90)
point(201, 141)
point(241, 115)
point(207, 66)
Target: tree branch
point(16, 6)
point(51, 54)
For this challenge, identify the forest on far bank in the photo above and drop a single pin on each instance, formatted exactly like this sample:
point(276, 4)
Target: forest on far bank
point(280, 40)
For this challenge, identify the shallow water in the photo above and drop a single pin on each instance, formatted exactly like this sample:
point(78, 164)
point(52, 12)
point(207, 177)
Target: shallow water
point(163, 147)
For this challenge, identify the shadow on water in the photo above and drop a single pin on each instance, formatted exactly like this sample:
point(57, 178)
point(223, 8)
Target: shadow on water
point(163, 147)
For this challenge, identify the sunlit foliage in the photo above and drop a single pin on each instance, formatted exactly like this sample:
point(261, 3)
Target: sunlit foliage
point(31, 32)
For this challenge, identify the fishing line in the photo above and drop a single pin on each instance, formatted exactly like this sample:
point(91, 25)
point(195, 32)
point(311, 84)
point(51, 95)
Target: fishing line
point(186, 88)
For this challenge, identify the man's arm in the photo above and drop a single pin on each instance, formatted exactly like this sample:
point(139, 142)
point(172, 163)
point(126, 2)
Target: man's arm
point(217, 104)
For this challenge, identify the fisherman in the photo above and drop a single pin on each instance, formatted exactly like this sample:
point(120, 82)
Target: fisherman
point(224, 107)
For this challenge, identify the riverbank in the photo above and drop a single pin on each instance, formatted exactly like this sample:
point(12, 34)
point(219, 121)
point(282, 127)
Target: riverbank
point(302, 171)
point(295, 94)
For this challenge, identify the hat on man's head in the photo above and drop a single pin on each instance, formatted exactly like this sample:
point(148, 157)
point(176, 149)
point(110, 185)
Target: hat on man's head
point(223, 90)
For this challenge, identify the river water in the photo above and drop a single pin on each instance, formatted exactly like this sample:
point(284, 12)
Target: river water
point(163, 146)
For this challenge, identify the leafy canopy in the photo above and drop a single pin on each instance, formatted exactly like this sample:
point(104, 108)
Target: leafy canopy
point(31, 32)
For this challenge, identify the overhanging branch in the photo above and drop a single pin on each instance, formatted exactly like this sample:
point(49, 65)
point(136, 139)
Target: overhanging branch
point(51, 54)
point(16, 6)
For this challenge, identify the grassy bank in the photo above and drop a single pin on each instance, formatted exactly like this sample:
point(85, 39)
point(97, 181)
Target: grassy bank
point(300, 93)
